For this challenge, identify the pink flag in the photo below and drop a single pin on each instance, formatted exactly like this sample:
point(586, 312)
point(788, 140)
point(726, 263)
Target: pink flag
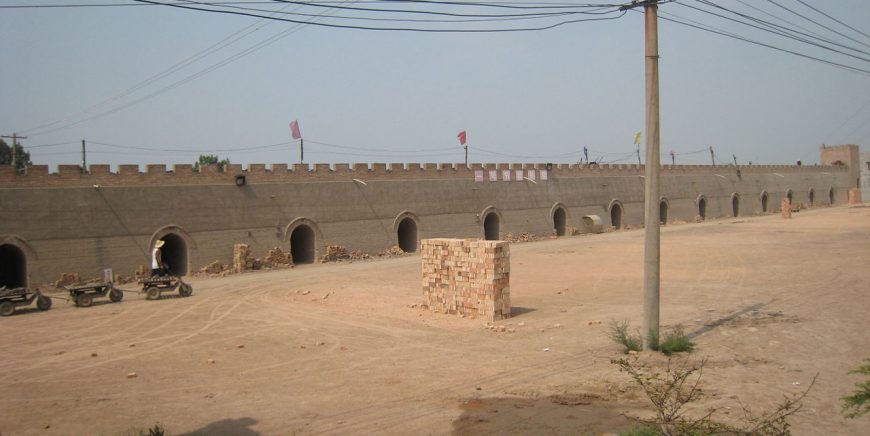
point(294, 130)
point(461, 137)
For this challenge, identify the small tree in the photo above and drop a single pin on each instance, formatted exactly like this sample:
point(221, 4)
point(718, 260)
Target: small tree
point(210, 159)
point(858, 403)
point(22, 158)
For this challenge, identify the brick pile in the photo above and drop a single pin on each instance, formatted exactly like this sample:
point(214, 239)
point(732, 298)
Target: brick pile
point(467, 277)
point(242, 260)
point(855, 196)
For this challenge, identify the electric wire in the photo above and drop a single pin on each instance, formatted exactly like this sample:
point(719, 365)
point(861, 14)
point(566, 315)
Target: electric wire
point(223, 43)
point(685, 22)
point(396, 29)
point(819, 24)
point(832, 18)
point(773, 29)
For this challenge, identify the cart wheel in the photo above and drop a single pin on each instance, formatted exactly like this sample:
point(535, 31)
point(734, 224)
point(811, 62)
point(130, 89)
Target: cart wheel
point(43, 302)
point(115, 295)
point(85, 300)
point(6, 308)
point(185, 289)
point(152, 293)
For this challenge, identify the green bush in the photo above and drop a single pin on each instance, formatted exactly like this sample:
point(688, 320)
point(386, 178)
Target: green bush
point(619, 334)
point(858, 403)
point(676, 341)
point(641, 431)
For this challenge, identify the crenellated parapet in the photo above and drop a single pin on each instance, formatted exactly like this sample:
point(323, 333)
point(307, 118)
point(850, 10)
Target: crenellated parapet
point(185, 174)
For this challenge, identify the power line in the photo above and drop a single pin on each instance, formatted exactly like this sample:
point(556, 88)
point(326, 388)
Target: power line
point(707, 28)
point(832, 18)
point(394, 29)
point(226, 61)
point(223, 43)
point(819, 24)
point(777, 32)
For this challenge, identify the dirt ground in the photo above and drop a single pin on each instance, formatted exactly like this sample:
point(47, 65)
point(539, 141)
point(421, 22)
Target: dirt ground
point(346, 349)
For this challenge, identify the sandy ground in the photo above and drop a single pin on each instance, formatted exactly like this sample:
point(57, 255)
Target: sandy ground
point(772, 302)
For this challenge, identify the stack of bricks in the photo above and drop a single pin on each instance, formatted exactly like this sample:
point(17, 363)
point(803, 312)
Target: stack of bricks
point(242, 258)
point(785, 208)
point(855, 196)
point(467, 277)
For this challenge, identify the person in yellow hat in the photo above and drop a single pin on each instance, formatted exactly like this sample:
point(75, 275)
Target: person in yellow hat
point(158, 267)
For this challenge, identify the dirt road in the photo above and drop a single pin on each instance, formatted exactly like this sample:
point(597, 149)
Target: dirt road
point(341, 349)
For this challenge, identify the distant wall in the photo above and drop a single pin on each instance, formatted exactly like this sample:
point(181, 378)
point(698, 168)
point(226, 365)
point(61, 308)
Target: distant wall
point(72, 221)
point(844, 155)
point(865, 177)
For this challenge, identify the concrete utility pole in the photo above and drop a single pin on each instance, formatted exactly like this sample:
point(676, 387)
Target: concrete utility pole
point(15, 138)
point(652, 237)
point(84, 159)
point(466, 156)
point(712, 156)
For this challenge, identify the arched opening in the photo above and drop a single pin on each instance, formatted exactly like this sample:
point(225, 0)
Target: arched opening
point(13, 267)
point(811, 198)
point(174, 253)
point(789, 196)
point(831, 196)
point(764, 202)
point(616, 215)
point(663, 212)
point(702, 208)
point(302, 244)
point(559, 221)
point(490, 227)
point(735, 205)
point(407, 234)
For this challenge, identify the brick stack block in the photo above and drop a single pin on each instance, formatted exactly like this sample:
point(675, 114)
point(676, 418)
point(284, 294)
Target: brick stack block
point(466, 276)
point(242, 258)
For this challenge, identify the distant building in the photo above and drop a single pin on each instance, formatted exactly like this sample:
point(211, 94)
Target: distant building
point(865, 176)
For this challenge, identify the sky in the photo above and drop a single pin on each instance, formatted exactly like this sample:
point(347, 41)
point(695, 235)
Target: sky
point(140, 86)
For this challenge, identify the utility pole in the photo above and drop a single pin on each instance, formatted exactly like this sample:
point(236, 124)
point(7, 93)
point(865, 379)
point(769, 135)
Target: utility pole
point(652, 235)
point(673, 159)
point(15, 138)
point(638, 154)
point(712, 156)
point(735, 159)
point(301, 150)
point(466, 155)
point(84, 159)
point(586, 153)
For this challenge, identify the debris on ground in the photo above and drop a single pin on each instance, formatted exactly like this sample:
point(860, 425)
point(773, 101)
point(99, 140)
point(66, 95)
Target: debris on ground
point(395, 250)
point(214, 268)
point(522, 237)
point(276, 257)
point(337, 253)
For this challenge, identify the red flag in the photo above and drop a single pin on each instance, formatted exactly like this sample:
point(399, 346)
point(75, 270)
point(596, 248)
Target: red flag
point(461, 137)
point(294, 130)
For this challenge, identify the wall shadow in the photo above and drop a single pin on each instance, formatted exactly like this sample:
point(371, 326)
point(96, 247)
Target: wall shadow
point(517, 311)
point(563, 414)
point(226, 427)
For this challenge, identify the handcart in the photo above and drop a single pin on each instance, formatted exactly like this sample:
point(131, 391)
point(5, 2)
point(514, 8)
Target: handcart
point(10, 298)
point(155, 285)
point(83, 295)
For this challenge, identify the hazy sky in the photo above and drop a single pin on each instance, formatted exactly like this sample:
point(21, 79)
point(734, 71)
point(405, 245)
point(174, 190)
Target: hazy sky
point(363, 96)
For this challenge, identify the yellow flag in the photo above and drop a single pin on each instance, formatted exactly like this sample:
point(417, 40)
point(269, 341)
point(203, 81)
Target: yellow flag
point(637, 138)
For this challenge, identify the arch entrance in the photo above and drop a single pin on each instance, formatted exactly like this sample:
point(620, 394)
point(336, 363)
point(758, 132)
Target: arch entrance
point(407, 235)
point(174, 253)
point(302, 242)
point(13, 267)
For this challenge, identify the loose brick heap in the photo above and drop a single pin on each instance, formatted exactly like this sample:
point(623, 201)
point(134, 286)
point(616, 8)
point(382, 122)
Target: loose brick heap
point(468, 277)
